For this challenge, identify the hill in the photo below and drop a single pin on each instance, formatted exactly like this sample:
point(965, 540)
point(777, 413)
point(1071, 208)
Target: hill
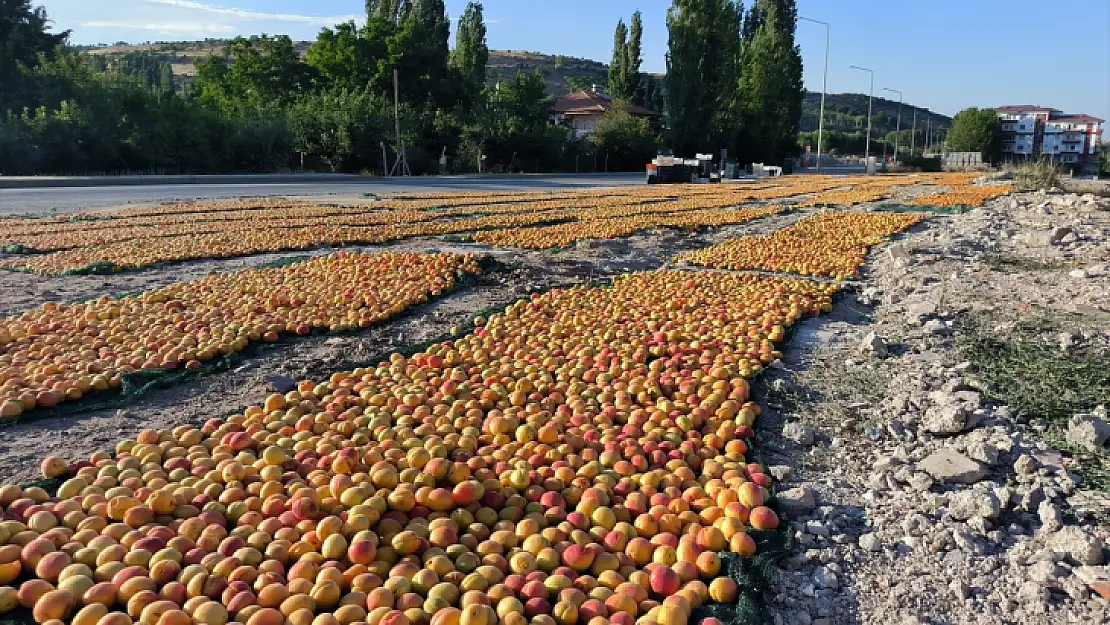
point(560, 72)
point(847, 112)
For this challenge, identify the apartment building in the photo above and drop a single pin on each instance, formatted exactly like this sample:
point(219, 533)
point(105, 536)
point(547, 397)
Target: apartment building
point(1040, 132)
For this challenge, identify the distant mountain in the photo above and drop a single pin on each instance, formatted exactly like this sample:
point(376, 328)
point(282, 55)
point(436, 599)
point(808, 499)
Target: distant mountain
point(847, 112)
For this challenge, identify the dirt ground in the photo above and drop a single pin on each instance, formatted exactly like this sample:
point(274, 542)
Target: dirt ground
point(849, 422)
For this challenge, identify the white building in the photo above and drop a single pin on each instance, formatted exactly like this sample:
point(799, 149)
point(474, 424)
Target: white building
point(1039, 132)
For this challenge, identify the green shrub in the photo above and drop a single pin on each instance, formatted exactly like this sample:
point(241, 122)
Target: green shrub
point(1036, 176)
point(922, 163)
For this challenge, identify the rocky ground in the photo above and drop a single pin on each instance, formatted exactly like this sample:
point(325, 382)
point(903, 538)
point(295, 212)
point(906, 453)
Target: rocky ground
point(917, 495)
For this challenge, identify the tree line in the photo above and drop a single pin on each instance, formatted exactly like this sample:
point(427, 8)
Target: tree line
point(733, 81)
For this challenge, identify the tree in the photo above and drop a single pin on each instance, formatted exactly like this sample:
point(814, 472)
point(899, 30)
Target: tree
point(471, 53)
point(348, 57)
point(259, 70)
point(617, 71)
point(976, 130)
point(703, 49)
point(653, 93)
point(624, 71)
point(389, 10)
point(585, 83)
point(340, 129)
point(149, 69)
point(514, 132)
point(419, 52)
point(23, 37)
point(624, 141)
point(770, 89)
point(634, 57)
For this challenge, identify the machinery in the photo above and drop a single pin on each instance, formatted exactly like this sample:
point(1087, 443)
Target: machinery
point(671, 170)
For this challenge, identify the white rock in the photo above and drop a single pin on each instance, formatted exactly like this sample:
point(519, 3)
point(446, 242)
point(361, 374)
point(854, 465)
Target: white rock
point(960, 589)
point(798, 500)
point(1087, 431)
point(799, 433)
point(1077, 545)
point(1058, 233)
point(1025, 465)
point(817, 528)
point(781, 472)
point(974, 503)
point(1032, 592)
point(950, 419)
point(1051, 519)
point(873, 345)
point(898, 252)
point(949, 465)
point(983, 452)
point(871, 542)
point(916, 310)
point(1045, 571)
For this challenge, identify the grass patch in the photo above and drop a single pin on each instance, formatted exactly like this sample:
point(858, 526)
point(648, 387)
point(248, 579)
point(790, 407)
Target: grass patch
point(1012, 263)
point(1038, 380)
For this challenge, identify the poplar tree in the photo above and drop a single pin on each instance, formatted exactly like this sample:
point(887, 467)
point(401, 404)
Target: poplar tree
point(471, 53)
point(702, 73)
point(770, 89)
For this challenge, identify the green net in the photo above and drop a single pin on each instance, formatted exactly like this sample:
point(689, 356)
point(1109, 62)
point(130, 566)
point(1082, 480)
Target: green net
point(18, 248)
point(284, 262)
point(959, 209)
point(100, 268)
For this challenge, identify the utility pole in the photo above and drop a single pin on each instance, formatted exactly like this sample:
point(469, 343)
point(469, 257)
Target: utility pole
point(898, 126)
point(824, 89)
point(402, 163)
point(928, 131)
point(870, 96)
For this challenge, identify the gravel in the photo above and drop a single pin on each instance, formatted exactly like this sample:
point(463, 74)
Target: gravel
point(942, 505)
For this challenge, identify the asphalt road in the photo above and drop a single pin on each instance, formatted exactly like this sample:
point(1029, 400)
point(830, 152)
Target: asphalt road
point(47, 200)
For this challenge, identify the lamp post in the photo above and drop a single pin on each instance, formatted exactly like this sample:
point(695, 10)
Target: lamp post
point(913, 134)
point(824, 88)
point(870, 96)
point(898, 124)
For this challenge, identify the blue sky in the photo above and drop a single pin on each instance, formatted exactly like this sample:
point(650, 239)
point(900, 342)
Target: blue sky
point(943, 54)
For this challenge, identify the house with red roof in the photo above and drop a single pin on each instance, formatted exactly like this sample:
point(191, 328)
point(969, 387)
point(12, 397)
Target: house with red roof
point(583, 110)
point(1044, 133)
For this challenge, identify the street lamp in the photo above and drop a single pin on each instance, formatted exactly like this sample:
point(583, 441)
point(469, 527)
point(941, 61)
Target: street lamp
point(913, 133)
point(898, 127)
point(824, 88)
point(870, 96)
